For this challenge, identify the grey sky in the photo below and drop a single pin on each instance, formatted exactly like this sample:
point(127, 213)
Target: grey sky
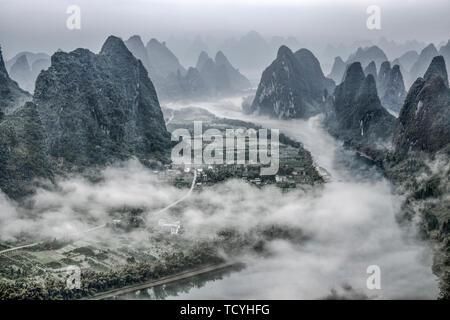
point(40, 25)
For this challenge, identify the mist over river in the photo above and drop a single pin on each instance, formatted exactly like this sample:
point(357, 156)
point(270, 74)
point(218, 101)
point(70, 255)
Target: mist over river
point(352, 222)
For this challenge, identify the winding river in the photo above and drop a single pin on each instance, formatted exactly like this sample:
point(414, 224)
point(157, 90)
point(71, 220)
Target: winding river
point(354, 224)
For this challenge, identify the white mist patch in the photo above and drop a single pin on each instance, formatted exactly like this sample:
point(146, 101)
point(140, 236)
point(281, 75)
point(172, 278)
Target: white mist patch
point(77, 205)
point(352, 226)
point(350, 223)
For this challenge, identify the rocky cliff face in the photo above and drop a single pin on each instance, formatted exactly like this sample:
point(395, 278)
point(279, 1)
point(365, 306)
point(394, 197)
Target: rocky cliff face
point(293, 86)
point(445, 52)
point(437, 68)
point(383, 77)
point(420, 163)
point(96, 108)
point(338, 70)
point(11, 96)
point(358, 116)
point(22, 151)
point(424, 121)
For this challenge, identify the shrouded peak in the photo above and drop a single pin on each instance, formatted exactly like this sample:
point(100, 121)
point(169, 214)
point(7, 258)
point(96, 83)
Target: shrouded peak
point(283, 51)
point(135, 38)
point(354, 73)
point(154, 42)
point(11, 95)
point(338, 60)
point(383, 76)
point(137, 48)
point(430, 49)
point(367, 55)
point(305, 53)
point(221, 59)
point(338, 70)
point(22, 62)
point(203, 55)
point(202, 59)
point(396, 76)
point(385, 67)
point(309, 65)
point(371, 69)
point(114, 45)
point(438, 68)
point(135, 41)
point(396, 68)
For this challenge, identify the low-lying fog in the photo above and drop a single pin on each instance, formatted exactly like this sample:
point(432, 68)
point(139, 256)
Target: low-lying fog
point(351, 222)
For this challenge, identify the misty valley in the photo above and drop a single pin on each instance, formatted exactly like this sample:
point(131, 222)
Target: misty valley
point(245, 167)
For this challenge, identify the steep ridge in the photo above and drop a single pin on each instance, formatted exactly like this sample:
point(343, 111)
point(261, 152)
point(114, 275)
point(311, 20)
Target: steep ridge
point(419, 162)
point(96, 108)
point(293, 86)
point(424, 121)
point(357, 115)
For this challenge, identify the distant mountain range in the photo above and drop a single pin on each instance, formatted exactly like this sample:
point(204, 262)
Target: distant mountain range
point(209, 78)
point(412, 64)
point(293, 86)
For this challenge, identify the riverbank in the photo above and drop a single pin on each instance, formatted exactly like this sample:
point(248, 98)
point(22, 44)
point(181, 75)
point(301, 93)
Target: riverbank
point(164, 280)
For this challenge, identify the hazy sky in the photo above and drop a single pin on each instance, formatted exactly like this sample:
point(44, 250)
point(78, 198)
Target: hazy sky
point(40, 25)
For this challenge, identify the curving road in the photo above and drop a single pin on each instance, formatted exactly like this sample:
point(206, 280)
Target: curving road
point(182, 198)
